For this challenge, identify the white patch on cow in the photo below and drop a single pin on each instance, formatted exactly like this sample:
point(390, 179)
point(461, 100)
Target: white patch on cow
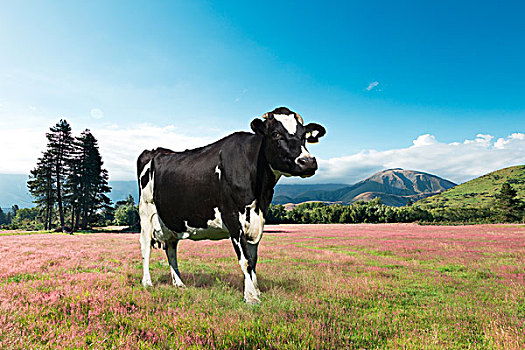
point(217, 221)
point(218, 171)
point(147, 210)
point(304, 154)
point(255, 227)
point(215, 229)
point(288, 121)
point(255, 284)
point(315, 133)
point(146, 167)
point(146, 194)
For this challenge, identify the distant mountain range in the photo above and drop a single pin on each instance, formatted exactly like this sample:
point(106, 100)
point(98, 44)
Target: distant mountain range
point(394, 186)
point(13, 190)
point(480, 191)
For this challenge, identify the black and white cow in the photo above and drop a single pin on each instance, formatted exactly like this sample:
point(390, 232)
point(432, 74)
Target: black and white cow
point(222, 190)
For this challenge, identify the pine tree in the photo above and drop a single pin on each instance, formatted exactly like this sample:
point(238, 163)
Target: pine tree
point(14, 209)
point(41, 185)
point(73, 187)
point(3, 218)
point(90, 180)
point(60, 147)
point(508, 204)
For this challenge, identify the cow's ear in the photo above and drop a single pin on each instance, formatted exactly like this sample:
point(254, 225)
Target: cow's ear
point(314, 132)
point(258, 127)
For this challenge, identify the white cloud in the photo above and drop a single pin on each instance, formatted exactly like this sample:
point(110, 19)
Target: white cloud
point(456, 161)
point(481, 139)
point(424, 140)
point(119, 147)
point(372, 85)
point(513, 140)
point(20, 149)
point(97, 113)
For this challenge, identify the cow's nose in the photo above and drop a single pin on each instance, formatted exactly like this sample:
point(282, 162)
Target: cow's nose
point(307, 163)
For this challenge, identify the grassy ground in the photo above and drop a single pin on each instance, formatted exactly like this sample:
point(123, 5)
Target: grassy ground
point(324, 286)
point(479, 192)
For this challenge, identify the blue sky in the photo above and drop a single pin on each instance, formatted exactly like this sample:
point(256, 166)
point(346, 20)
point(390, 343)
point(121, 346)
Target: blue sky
point(380, 76)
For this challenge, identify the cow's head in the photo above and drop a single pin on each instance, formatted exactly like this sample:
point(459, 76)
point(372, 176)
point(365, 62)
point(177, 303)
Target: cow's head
point(286, 137)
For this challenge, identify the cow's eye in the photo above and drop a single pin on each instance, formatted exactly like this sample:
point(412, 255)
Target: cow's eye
point(276, 135)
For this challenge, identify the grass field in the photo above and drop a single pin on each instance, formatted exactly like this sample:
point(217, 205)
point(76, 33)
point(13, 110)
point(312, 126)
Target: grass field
point(324, 287)
point(480, 192)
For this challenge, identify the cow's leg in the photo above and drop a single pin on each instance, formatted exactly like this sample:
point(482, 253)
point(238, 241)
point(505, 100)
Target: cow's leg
point(251, 292)
point(171, 253)
point(252, 252)
point(145, 248)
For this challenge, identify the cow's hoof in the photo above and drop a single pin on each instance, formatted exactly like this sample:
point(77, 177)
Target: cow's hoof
point(180, 285)
point(252, 300)
point(147, 283)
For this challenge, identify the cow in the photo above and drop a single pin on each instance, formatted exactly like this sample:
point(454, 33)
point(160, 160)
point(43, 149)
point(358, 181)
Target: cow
point(222, 190)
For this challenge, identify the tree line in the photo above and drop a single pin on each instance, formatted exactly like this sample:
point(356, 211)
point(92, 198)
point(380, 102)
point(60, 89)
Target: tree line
point(69, 183)
point(123, 213)
point(507, 208)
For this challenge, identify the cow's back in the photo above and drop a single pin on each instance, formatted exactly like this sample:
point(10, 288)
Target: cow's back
point(189, 188)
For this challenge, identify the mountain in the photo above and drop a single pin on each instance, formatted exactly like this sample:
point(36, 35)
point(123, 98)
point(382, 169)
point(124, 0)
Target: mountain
point(121, 189)
point(393, 186)
point(13, 190)
point(295, 193)
point(480, 191)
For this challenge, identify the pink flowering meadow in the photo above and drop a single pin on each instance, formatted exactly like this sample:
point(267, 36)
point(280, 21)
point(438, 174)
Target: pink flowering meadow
point(324, 287)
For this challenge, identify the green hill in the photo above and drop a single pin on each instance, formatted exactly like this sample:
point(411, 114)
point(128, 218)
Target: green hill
point(480, 191)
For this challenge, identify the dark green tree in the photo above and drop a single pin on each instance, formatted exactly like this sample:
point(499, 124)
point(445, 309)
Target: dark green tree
point(73, 187)
point(42, 185)
point(88, 182)
point(508, 205)
point(14, 209)
point(276, 214)
point(3, 217)
point(127, 213)
point(27, 219)
point(60, 146)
